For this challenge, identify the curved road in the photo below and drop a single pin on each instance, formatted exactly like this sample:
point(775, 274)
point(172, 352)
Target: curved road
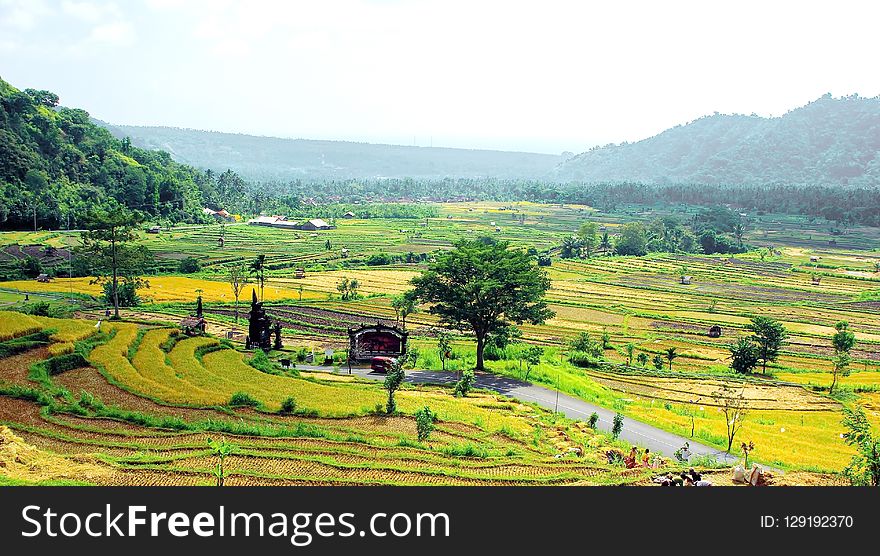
point(634, 432)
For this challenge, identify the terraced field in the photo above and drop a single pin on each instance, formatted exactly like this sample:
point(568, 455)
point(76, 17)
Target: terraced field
point(142, 415)
point(637, 300)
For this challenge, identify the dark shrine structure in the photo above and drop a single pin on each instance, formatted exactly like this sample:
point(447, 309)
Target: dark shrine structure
point(260, 328)
point(194, 325)
point(377, 340)
point(715, 331)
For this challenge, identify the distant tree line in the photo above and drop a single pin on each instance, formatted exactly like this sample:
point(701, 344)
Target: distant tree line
point(56, 164)
point(713, 230)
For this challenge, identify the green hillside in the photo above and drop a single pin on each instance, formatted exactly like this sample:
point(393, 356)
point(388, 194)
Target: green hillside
point(832, 141)
point(54, 163)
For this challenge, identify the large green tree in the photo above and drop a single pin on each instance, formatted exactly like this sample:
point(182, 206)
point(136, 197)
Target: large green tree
point(109, 231)
point(484, 287)
point(589, 236)
point(633, 240)
point(769, 336)
point(743, 356)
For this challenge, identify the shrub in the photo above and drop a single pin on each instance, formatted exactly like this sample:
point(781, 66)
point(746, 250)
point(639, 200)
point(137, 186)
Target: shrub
point(31, 266)
point(393, 380)
point(492, 353)
point(288, 406)
point(189, 265)
point(242, 399)
point(66, 362)
point(126, 290)
point(89, 401)
point(583, 360)
point(260, 361)
point(379, 259)
point(464, 384)
point(424, 423)
point(466, 451)
point(38, 308)
point(594, 420)
point(617, 426)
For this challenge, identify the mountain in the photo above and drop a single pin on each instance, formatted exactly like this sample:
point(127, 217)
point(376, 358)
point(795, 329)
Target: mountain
point(271, 158)
point(831, 141)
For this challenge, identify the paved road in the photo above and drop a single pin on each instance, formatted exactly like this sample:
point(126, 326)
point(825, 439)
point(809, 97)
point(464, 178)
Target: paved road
point(634, 432)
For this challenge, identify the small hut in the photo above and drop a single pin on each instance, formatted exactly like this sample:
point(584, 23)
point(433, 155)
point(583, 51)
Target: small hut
point(348, 214)
point(814, 259)
point(221, 242)
point(715, 331)
point(817, 280)
point(686, 280)
point(344, 253)
point(300, 273)
point(43, 278)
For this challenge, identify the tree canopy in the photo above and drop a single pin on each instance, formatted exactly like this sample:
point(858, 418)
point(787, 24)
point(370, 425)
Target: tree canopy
point(484, 287)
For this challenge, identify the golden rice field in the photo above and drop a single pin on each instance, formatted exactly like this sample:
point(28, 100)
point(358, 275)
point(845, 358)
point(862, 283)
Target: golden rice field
point(164, 289)
point(479, 440)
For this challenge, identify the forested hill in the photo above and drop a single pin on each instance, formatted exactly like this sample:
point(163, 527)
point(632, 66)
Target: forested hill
point(831, 141)
point(275, 159)
point(55, 164)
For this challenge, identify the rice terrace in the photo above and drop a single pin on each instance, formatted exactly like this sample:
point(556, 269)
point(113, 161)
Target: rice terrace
point(138, 400)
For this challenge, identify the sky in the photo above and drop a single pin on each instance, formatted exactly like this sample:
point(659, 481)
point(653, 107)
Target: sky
point(542, 76)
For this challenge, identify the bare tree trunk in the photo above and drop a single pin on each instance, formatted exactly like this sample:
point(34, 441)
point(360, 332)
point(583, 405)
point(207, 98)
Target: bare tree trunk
point(481, 344)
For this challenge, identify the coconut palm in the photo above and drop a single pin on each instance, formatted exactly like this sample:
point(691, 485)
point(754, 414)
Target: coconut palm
point(605, 244)
point(671, 355)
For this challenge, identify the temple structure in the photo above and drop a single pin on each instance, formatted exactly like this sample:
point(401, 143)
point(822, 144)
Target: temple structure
point(195, 325)
point(259, 326)
point(377, 340)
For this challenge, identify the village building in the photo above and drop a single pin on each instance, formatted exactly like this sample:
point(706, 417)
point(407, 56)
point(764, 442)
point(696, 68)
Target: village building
point(275, 222)
point(686, 280)
point(348, 214)
point(316, 224)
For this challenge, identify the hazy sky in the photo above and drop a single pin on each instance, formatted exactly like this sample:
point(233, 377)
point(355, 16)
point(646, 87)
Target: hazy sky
point(541, 76)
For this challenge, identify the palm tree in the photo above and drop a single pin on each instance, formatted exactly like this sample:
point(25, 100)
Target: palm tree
point(670, 355)
point(258, 267)
point(739, 231)
point(605, 244)
point(630, 349)
point(571, 248)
